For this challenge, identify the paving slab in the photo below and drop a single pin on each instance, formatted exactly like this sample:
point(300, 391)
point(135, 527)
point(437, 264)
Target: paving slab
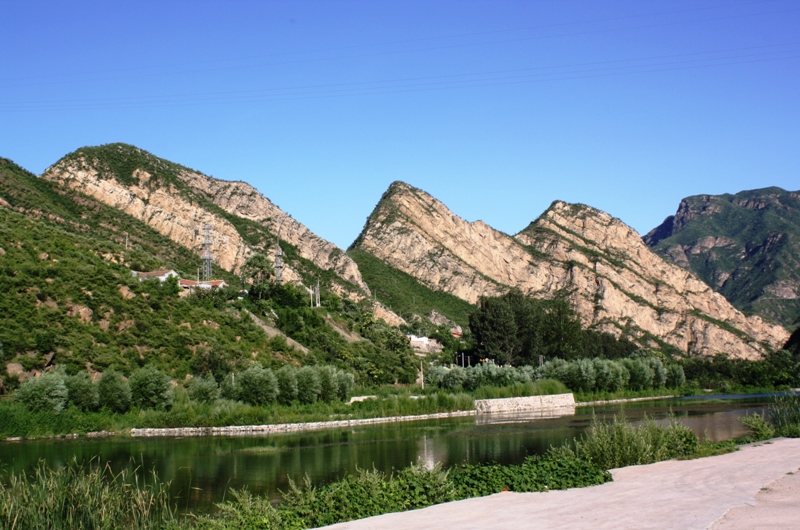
point(750, 488)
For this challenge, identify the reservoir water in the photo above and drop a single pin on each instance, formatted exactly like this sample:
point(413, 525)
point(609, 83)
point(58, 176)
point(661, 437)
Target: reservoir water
point(202, 469)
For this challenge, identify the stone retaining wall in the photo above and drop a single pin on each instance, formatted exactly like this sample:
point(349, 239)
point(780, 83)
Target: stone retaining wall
point(525, 404)
point(248, 430)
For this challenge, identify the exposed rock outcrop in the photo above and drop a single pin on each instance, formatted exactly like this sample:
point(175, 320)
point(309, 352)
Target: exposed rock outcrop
point(162, 207)
point(243, 200)
point(614, 281)
point(178, 202)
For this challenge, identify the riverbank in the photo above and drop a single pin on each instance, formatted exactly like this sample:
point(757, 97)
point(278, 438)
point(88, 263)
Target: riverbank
point(255, 430)
point(623, 400)
point(563, 403)
point(711, 492)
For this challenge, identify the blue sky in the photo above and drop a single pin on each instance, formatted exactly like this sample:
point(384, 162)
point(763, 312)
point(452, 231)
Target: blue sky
point(496, 108)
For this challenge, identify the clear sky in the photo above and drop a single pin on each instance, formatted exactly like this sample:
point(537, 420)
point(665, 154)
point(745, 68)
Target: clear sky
point(496, 108)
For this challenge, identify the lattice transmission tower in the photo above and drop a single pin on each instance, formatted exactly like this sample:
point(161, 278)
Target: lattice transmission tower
point(207, 258)
point(278, 258)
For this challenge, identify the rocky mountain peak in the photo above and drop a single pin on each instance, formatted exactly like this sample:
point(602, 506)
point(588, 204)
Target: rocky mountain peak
point(178, 202)
point(612, 278)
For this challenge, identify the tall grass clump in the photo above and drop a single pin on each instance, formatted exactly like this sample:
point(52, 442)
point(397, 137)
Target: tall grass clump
point(784, 415)
point(543, 387)
point(620, 443)
point(86, 497)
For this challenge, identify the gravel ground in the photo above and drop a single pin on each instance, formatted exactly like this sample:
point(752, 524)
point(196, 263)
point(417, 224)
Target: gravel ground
point(755, 487)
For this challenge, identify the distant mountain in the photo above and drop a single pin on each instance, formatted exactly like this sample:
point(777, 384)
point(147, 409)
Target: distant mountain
point(614, 281)
point(746, 246)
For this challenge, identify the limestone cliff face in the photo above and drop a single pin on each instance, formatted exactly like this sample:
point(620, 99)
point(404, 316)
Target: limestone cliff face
point(177, 202)
point(162, 207)
point(614, 281)
point(243, 200)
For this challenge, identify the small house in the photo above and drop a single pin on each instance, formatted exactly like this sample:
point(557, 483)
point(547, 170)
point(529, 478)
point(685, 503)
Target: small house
point(161, 275)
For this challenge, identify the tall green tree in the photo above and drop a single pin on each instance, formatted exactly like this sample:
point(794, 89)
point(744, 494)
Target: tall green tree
point(258, 269)
point(562, 332)
point(495, 330)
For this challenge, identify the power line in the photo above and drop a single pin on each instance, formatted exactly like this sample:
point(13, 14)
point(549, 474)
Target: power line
point(427, 83)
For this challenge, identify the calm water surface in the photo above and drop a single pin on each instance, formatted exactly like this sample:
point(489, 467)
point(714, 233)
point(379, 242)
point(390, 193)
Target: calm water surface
point(202, 469)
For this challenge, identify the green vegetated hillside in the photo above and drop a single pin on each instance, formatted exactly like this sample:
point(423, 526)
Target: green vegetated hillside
point(745, 245)
point(64, 302)
point(404, 294)
point(68, 298)
point(59, 206)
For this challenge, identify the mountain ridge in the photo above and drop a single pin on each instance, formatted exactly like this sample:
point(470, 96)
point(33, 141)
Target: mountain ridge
point(615, 282)
point(178, 201)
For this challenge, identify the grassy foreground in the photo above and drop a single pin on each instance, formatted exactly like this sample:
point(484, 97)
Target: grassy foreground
point(93, 497)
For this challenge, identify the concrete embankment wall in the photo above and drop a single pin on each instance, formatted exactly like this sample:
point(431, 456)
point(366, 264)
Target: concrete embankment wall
point(525, 404)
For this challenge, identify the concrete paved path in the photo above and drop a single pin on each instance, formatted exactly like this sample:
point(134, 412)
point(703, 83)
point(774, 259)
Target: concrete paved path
point(752, 488)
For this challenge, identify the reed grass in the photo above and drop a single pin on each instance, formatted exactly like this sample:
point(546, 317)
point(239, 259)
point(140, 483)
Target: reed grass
point(542, 387)
point(83, 496)
point(620, 443)
point(784, 415)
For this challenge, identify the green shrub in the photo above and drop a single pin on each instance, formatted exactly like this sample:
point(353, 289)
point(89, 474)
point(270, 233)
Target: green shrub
point(676, 378)
point(435, 376)
point(580, 375)
point(244, 512)
point(48, 392)
point(257, 385)
point(228, 388)
point(345, 381)
point(455, 378)
point(114, 392)
point(308, 385)
point(757, 427)
point(619, 443)
point(203, 389)
point(287, 384)
point(328, 387)
point(151, 389)
point(641, 374)
point(554, 369)
point(537, 473)
point(365, 494)
point(82, 392)
point(659, 372)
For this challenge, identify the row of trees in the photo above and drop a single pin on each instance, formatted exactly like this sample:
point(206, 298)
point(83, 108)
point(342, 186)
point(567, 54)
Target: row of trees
point(515, 329)
point(587, 375)
point(261, 386)
point(605, 375)
point(150, 388)
point(147, 388)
